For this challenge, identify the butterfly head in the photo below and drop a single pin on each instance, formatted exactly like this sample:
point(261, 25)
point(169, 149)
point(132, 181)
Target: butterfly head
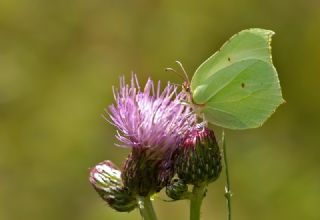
point(186, 86)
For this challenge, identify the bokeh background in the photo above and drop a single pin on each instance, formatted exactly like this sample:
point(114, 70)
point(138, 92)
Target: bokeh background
point(59, 59)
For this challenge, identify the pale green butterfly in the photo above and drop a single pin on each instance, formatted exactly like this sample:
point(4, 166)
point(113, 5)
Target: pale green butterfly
point(238, 86)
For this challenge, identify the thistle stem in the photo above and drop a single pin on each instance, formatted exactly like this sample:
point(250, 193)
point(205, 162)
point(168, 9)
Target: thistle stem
point(196, 198)
point(228, 193)
point(146, 208)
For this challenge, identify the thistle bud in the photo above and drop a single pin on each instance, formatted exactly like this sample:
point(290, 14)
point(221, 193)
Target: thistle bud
point(177, 189)
point(198, 157)
point(106, 180)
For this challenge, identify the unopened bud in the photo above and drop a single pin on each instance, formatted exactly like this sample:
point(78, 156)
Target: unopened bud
point(106, 180)
point(177, 189)
point(198, 157)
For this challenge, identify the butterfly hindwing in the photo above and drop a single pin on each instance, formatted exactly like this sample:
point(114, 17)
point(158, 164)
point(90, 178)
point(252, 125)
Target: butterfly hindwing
point(245, 100)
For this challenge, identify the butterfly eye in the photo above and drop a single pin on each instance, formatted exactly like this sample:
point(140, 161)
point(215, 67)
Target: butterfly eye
point(186, 86)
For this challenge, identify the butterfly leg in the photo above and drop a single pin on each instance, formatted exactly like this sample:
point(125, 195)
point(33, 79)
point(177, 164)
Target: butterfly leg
point(184, 102)
point(203, 123)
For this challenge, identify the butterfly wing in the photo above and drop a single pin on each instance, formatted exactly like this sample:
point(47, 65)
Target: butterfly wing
point(239, 86)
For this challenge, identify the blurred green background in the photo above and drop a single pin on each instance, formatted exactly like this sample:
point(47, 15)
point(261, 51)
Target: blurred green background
point(59, 59)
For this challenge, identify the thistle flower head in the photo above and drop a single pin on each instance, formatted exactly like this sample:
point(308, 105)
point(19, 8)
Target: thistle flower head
point(151, 122)
point(150, 118)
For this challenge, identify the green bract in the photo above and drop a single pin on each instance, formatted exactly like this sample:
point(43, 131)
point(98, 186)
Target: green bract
point(238, 86)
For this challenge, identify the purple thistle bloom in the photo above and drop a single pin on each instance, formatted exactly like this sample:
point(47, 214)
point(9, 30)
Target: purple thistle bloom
point(150, 118)
point(152, 123)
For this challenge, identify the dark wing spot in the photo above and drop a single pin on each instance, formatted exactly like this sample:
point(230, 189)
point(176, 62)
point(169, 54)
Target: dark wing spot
point(229, 59)
point(242, 85)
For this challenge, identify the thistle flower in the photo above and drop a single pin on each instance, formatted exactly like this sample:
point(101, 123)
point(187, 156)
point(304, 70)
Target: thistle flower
point(105, 177)
point(150, 118)
point(198, 157)
point(152, 123)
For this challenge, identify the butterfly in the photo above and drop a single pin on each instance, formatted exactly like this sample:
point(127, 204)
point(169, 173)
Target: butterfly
point(238, 86)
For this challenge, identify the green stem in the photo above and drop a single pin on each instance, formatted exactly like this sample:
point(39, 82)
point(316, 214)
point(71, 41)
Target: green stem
point(146, 208)
point(198, 194)
point(228, 193)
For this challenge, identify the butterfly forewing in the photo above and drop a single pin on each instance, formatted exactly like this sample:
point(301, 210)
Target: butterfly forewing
point(248, 44)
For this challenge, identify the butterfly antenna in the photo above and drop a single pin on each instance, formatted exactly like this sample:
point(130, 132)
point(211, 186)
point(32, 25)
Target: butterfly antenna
point(183, 70)
point(174, 84)
point(176, 72)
